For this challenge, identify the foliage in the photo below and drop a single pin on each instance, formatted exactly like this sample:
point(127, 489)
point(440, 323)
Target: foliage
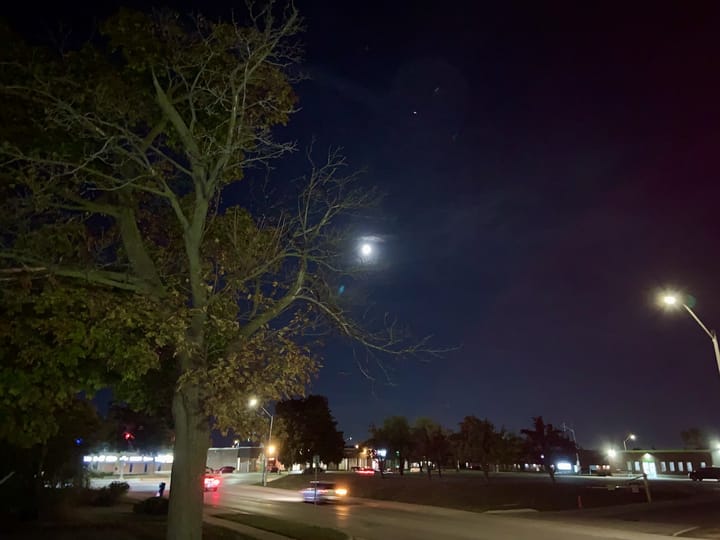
point(60, 457)
point(58, 340)
point(305, 428)
point(431, 443)
point(545, 443)
point(115, 160)
point(694, 439)
point(395, 436)
point(155, 506)
point(129, 430)
point(479, 443)
point(108, 495)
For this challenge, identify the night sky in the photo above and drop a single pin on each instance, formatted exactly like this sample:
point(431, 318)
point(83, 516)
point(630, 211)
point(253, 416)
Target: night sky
point(547, 169)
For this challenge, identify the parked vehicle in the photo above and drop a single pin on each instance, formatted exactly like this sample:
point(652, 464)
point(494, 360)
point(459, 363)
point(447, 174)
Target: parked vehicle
point(323, 492)
point(226, 469)
point(705, 472)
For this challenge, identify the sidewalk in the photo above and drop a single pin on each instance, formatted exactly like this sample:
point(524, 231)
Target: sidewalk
point(239, 527)
point(259, 534)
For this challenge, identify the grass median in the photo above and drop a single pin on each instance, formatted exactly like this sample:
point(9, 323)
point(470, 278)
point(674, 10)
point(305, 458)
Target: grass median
point(468, 490)
point(291, 529)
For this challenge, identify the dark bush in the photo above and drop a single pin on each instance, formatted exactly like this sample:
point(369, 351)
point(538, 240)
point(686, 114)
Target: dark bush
point(154, 505)
point(109, 495)
point(119, 487)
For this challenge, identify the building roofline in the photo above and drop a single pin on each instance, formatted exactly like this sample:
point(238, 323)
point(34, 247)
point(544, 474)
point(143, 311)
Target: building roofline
point(675, 450)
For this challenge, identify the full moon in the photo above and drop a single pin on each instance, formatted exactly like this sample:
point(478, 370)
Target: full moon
point(366, 249)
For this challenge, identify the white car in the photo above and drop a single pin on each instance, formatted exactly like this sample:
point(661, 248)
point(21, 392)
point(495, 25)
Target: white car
point(322, 492)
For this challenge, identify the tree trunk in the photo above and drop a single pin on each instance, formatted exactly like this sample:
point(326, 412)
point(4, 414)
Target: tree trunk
point(192, 440)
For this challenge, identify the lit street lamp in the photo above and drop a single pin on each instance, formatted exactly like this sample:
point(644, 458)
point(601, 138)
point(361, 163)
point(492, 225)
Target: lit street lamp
point(630, 437)
point(672, 300)
point(254, 403)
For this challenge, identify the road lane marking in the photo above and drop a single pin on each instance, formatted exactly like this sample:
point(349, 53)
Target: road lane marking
point(686, 530)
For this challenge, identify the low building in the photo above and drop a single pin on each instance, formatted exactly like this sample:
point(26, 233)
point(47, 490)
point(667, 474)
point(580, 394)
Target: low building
point(128, 462)
point(354, 457)
point(666, 462)
point(245, 458)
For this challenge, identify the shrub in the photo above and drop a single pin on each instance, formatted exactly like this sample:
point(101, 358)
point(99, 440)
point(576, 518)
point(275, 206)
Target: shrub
point(121, 488)
point(109, 495)
point(154, 506)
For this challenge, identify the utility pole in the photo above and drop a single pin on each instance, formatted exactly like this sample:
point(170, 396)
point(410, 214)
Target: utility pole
point(565, 429)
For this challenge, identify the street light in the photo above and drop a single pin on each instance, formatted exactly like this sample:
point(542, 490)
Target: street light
point(673, 300)
point(630, 437)
point(574, 440)
point(254, 403)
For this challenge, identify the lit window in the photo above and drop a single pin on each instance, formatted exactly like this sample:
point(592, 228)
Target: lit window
point(672, 466)
point(703, 464)
point(637, 466)
point(680, 466)
point(663, 466)
point(689, 466)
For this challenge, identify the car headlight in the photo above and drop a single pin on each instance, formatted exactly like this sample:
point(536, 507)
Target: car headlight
point(341, 491)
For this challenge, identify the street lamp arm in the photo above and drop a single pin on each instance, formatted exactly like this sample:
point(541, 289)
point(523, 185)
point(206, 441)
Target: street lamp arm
point(710, 333)
point(265, 411)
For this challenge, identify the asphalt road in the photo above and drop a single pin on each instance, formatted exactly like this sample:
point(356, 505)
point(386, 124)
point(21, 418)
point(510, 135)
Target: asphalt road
point(366, 519)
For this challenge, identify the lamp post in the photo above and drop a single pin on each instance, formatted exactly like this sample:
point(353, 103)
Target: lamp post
point(673, 300)
point(254, 403)
point(630, 437)
point(574, 440)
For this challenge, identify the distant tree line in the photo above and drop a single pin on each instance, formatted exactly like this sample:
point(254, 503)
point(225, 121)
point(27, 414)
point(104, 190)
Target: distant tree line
point(477, 443)
point(306, 429)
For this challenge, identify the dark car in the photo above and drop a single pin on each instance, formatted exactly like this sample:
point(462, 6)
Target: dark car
point(226, 469)
point(705, 472)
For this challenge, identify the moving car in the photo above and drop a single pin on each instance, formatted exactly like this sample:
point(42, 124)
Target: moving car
point(210, 482)
point(322, 492)
point(705, 472)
